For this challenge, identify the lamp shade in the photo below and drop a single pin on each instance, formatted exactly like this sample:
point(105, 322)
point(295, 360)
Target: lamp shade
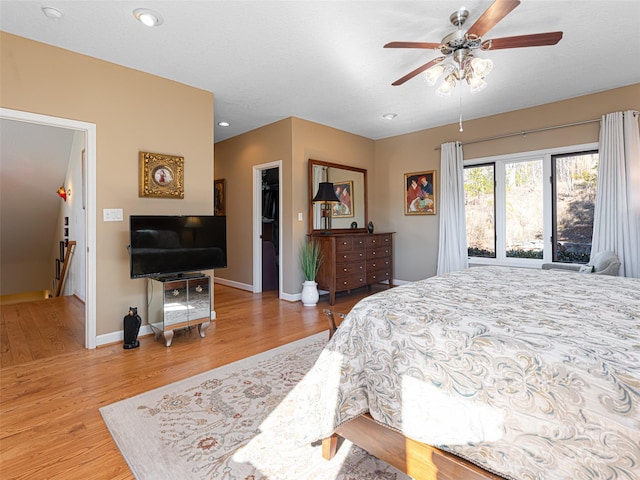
point(326, 193)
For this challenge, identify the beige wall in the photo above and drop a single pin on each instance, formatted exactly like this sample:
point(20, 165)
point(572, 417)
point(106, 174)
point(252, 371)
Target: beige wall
point(293, 141)
point(387, 160)
point(416, 239)
point(235, 159)
point(133, 111)
point(319, 142)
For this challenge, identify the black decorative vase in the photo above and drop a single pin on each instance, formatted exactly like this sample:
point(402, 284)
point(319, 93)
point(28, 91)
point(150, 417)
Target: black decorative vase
point(370, 227)
point(354, 224)
point(132, 323)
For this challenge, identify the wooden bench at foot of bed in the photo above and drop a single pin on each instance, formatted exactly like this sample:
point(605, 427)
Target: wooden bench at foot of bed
point(418, 460)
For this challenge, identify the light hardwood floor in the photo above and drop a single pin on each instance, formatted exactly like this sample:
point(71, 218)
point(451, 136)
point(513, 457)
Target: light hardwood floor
point(51, 387)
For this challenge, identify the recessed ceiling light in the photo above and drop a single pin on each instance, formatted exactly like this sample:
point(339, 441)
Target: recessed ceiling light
point(52, 12)
point(224, 124)
point(389, 116)
point(148, 17)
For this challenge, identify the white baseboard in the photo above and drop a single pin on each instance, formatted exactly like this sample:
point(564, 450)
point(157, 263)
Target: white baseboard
point(295, 297)
point(233, 283)
point(118, 336)
point(115, 337)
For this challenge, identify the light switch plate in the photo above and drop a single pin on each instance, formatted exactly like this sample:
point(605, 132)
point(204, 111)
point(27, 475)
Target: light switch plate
point(112, 214)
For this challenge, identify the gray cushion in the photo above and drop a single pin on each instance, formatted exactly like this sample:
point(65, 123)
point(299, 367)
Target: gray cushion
point(605, 263)
point(602, 263)
point(587, 269)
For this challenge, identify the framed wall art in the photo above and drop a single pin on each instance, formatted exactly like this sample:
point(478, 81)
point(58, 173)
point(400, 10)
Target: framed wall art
point(344, 191)
point(218, 197)
point(420, 193)
point(161, 175)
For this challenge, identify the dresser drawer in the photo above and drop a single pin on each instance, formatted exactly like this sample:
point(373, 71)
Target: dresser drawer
point(349, 257)
point(382, 263)
point(378, 252)
point(374, 241)
point(355, 269)
point(345, 244)
point(350, 282)
point(378, 276)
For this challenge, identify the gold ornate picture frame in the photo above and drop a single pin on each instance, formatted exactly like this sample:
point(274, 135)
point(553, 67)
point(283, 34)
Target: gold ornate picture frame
point(161, 175)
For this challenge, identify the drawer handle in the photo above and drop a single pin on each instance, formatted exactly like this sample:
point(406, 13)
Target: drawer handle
point(373, 253)
point(344, 269)
point(373, 241)
point(386, 240)
point(344, 283)
point(344, 256)
point(374, 277)
point(344, 243)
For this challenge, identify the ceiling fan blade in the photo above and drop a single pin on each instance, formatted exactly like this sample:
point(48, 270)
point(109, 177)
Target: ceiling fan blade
point(534, 40)
point(417, 71)
point(426, 45)
point(491, 16)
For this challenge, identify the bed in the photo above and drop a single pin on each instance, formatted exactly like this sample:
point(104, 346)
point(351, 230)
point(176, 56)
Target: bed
point(489, 373)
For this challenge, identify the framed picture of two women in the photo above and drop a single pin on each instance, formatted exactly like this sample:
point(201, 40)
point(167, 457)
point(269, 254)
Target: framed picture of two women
point(420, 190)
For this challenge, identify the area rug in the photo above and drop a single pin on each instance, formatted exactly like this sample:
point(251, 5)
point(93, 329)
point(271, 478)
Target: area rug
point(233, 423)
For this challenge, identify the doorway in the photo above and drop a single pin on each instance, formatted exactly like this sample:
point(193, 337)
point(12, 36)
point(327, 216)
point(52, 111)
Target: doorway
point(89, 131)
point(267, 272)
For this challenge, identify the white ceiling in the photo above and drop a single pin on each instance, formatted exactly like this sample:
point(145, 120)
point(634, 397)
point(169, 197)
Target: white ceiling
point(323, 60)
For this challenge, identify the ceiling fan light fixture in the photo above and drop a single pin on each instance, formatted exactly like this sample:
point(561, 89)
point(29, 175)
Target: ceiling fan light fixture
point(477, 84)
point(148, 17)
point(481, 66)
point(432, 74)
point(444, 90)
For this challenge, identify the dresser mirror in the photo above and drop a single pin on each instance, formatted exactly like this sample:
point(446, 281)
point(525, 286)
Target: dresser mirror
point(350, 184)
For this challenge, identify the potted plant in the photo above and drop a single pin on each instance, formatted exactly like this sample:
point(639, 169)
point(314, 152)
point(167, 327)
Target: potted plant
point(310, 261)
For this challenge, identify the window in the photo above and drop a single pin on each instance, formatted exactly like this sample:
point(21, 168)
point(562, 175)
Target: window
point(480, 212)
point(573, 185)
point(532, 207)
point(524, 222)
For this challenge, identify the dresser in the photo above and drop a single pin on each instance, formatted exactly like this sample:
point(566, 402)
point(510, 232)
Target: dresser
point(353, 260)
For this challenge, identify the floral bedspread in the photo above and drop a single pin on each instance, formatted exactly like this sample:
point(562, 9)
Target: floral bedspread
point(531, 374)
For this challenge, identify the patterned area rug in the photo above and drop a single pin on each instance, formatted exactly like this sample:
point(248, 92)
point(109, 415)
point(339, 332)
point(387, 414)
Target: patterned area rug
point(233, 423)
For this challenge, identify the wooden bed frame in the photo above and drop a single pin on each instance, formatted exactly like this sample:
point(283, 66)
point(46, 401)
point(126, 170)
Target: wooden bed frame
point(418, 460)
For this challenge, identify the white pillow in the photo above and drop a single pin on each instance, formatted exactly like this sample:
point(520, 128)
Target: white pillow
point(587, 269)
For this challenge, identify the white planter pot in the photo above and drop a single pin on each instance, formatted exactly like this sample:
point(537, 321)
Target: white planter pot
point(310, 293)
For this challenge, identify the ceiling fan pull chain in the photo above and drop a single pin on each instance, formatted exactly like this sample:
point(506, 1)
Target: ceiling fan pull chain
point(460, 120)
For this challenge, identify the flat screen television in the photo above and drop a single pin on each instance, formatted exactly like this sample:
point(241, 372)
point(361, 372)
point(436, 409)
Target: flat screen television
point(168, 245)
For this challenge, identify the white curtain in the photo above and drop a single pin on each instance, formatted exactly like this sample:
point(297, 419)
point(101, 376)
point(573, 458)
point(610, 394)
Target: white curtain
point(452, 252)
point(616, 223)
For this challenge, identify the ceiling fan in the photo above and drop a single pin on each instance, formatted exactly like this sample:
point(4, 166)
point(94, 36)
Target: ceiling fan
point(459, 46)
